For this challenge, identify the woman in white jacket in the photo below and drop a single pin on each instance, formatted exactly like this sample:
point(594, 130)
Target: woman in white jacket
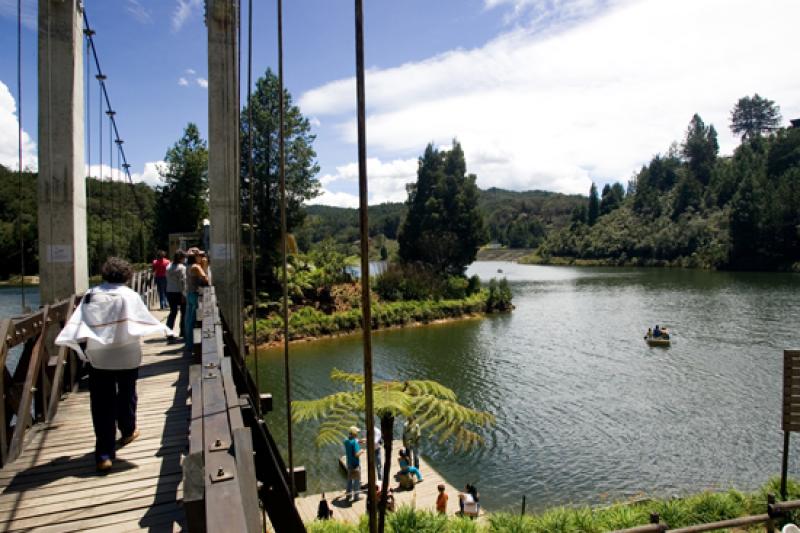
point(105, 330)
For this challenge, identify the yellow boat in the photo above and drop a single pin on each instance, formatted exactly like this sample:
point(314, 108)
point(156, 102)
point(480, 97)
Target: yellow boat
point(657, 341)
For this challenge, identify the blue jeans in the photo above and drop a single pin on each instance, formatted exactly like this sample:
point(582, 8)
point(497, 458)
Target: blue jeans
point(353, 482)
point(188, 321)
point(161, 285)
point(378, 464)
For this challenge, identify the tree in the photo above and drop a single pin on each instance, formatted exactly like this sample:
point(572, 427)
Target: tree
point(700, 149)
point(444, 227)
point(182, 202)
point(433, 405)
point(593, 208)
point(301, 168)
point(751, 117)
point(611, 197)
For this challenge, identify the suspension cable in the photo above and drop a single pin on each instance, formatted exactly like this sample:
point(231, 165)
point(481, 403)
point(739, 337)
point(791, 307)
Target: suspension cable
point(282, 173)
point(111, 114)
point(100, 78)
point(250, 180)
point(19, 169)
point(366, 310)
point(104, 96)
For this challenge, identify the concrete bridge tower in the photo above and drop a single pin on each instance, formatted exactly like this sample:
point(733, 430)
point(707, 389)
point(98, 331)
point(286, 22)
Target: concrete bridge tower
point(63, 267)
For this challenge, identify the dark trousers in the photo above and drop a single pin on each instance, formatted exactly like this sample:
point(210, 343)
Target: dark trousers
point(176, 303)
point(161, 285)
point(112, 394)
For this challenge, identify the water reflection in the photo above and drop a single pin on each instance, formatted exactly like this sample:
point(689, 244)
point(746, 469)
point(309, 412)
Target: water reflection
point(585, 409)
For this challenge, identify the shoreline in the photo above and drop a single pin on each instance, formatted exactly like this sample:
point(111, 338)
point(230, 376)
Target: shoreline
point(314, 338)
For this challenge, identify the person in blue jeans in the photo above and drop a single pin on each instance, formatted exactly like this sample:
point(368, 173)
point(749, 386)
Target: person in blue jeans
point(195, 278)
point(352, 452)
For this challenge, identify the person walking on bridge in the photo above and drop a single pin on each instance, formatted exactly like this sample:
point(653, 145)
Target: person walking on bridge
point(176, 293)
point(105, 330)
point(195, 278)
point(160, 264)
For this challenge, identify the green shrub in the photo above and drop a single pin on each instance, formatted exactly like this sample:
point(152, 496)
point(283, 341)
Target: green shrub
point(409, 520)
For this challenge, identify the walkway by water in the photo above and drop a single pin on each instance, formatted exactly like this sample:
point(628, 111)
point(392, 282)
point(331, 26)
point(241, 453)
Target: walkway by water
point(422, 497)
point(53, 485)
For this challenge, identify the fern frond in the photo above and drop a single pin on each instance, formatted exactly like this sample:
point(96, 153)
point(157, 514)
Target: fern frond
point(303, 410)
point(334, 429)
point(347, 377)
point(420, 387)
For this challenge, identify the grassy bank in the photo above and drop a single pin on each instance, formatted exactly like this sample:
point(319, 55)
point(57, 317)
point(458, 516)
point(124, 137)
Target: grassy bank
point(308, 322)
point(680, 512)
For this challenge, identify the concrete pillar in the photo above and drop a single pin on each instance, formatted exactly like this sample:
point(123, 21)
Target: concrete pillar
point(223, 158)
point(63, 267)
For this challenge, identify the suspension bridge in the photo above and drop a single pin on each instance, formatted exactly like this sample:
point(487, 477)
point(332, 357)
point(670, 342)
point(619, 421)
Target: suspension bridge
point(206, 459)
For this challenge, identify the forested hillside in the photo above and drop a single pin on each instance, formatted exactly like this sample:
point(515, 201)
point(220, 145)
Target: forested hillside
point(690, 207)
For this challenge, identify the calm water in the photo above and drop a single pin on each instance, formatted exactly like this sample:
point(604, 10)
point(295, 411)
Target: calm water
point(586, 412)
point(10, 301)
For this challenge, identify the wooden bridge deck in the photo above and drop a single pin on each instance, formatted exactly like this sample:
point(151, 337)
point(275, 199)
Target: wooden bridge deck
point(53, 485)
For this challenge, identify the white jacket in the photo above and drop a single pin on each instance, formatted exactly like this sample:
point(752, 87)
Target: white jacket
point(110, 323)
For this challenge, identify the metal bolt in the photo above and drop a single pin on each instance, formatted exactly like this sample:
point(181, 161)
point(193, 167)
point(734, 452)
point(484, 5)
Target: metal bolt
point(220, 472)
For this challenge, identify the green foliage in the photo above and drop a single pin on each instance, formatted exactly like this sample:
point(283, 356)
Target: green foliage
point(499, 298)
point(14, 217)
point(690, 208)
point(434, 406)
point(611, 198)
point(593, 207)
point(307, 321)
point(301, 167)
point(400, 281)
point(182, 202)
point(444, 227)
point(754, 115)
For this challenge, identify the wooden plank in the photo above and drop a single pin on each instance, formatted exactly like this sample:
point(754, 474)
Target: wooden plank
point(26, 328)
point(246, 468)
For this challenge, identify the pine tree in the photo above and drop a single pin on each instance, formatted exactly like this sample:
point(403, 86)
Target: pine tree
point(301, 169)
point(700, 149)
point(751, 117)
point(443, 228)
point(181, 203)
point(593, 208)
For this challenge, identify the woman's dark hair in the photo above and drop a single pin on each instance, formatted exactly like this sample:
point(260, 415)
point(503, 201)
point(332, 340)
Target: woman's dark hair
point(191, 259)
point(179, 256)
point(116, 270)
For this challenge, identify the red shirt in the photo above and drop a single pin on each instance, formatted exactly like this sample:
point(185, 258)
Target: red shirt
point(160, 267)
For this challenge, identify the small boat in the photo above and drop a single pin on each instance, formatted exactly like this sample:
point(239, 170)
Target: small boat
point(657, 341)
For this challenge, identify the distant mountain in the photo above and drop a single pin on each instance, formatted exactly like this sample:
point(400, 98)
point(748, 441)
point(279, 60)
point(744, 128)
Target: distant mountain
point(517, 219)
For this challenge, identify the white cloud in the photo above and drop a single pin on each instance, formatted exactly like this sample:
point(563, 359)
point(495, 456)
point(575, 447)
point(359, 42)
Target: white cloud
point(139, 12)
point(202, 82)
point(183, 82)
point(9, 135)
point(314, 121)
point(183, 10)
point(386, 182)
point(190, 71)
point(149, 175)
point(592, 102)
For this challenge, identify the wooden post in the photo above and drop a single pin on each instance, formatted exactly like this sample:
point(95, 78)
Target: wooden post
point(522, 513)
point(28, 390)
point(785, 464)
point(770, 521)
point(5, 326)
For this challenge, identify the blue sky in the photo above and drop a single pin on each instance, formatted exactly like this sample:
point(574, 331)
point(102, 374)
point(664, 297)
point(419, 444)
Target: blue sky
point(547, 94)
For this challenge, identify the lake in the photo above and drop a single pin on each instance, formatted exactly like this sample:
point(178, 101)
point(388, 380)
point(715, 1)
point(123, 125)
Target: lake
point(586, 412)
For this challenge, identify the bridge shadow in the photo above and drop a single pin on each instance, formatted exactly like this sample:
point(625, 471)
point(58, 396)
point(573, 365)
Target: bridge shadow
point(158, 504)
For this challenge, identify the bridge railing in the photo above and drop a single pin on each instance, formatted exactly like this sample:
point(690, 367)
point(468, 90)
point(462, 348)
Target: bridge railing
point(774, 512)
point(36, 372)
point(233, 463)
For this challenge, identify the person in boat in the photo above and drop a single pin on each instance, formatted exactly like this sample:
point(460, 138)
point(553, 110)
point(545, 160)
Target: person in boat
point(664, 334)
point(649, 333)
point(657, 332)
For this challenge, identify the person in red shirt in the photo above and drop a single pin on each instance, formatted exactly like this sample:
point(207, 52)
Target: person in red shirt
point(441, 500)
point(160, 264)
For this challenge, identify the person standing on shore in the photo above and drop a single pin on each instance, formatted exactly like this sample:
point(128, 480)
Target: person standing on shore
point(176, 293)
point(352, 452)
point(160, 264)
point(412, 434)
point(105, 329)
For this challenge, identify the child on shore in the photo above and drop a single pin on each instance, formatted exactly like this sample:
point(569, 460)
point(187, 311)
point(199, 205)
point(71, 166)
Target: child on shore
point(441, 500)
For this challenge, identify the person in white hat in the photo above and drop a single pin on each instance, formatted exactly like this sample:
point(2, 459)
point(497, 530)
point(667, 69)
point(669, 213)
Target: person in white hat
point(352, 452)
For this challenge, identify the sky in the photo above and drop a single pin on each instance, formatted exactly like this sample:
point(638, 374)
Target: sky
point(541, 94)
